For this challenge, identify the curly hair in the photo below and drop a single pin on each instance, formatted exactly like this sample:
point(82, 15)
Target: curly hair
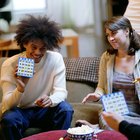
point(120, 22)
point(42, 28)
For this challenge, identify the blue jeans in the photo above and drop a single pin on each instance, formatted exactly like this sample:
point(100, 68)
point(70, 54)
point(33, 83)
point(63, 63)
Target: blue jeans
point(15, 121)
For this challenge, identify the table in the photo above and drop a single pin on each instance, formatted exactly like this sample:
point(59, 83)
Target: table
point(55, 135)
point(70, 40)
point(7, 48)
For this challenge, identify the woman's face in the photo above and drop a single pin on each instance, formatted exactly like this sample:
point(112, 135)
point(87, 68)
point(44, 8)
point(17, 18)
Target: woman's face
point(35, 49)
point(118, 39)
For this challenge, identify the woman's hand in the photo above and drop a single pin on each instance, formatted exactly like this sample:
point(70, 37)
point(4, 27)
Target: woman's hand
point(91, 97)
point(44, 101)
point(84, 122)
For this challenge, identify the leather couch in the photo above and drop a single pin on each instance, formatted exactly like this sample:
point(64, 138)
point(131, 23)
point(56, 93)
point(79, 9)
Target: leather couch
point(82, 78)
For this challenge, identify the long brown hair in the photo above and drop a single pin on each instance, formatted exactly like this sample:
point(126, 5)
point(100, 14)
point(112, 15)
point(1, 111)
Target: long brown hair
point(120, 22)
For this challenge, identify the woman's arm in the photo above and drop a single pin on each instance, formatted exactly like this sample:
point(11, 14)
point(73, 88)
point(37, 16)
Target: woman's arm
point(95, 96)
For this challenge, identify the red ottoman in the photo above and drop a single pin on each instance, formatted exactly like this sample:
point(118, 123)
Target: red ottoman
point(55, 135)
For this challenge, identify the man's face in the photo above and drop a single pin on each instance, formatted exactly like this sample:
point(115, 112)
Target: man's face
point(35, 49)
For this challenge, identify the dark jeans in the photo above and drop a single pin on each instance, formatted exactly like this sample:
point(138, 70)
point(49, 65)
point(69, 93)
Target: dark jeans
point(15, 121)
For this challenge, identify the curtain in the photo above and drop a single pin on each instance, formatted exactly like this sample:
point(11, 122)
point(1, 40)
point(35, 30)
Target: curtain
point(71, 13)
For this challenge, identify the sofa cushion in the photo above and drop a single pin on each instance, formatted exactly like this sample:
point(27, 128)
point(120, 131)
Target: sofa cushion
point(82, 69)
point(88, 111)
point(78, 90)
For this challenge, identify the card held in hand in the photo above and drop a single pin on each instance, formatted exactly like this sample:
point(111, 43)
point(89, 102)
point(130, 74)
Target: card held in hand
point(115, 102)
point(25, 67)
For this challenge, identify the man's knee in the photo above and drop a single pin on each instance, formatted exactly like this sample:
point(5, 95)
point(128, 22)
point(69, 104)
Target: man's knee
point(65, 106)
point(9, 118)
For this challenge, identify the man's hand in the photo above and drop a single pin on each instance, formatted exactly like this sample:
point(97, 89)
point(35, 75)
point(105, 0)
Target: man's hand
point(44, 101)
point(21, 81)
point(112, 119)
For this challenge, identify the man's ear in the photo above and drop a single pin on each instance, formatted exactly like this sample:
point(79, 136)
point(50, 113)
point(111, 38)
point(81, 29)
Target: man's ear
point(24, 45)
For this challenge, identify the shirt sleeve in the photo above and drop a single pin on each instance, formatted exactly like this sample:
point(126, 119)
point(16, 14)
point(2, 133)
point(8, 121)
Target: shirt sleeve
point(59, 92)
point(132, 131)
point(102, 75)
point(11, 95)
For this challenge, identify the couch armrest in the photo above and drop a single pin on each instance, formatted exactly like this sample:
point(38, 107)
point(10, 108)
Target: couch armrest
point(88, 112)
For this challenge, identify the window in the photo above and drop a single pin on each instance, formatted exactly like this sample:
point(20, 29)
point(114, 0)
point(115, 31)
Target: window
point(29, 5)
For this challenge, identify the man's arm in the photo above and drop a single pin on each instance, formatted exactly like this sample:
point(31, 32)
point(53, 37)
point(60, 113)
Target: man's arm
point(59, 92)
point(118, 123)
point(132, 131)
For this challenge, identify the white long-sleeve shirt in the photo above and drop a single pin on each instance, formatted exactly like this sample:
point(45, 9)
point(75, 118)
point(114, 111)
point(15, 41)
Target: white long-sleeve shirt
point(49, 79)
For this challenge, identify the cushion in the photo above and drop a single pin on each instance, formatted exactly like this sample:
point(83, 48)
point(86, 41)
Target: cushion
point(82, 68)
point(78, 90)
point(88, 112)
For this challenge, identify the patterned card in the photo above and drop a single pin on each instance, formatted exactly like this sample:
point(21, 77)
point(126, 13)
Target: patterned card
point(115, 102)
point(25, 67)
